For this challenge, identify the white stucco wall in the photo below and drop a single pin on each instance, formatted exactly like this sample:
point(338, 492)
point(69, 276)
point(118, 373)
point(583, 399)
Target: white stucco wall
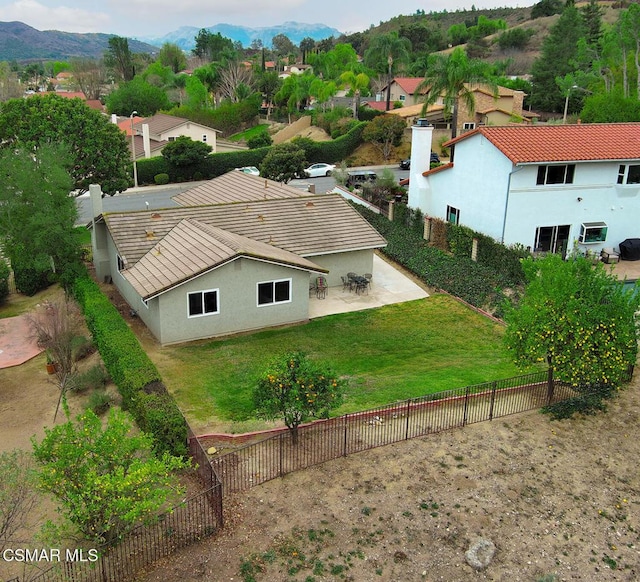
point(195, 132)
point(481, 177)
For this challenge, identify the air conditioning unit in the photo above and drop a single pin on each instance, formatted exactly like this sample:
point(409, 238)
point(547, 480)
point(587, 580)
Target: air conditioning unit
point(422, 122)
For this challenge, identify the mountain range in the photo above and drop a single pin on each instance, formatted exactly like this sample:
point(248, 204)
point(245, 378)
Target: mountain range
point(185, 36)
point(21, 42)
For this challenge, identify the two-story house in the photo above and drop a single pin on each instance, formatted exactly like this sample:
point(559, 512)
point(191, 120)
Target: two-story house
point(547, 187)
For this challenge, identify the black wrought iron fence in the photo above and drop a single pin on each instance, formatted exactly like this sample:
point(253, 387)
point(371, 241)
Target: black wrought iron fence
point(325, 440)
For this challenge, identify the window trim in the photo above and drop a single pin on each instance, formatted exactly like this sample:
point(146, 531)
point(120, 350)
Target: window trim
point(273, 283)
point(542, 178)
point(468, 125)
point(455, 211)
point(202, 294)
point(623, 174)
point(585, 227)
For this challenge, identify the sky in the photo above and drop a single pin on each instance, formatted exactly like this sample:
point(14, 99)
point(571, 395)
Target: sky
point(154, 18)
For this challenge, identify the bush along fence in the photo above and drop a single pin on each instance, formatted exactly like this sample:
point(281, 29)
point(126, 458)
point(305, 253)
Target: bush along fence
point(191, 521)
point(337, 437)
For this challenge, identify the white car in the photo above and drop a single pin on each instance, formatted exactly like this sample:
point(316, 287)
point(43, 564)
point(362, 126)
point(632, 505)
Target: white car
point(252, 170)
point(319, 170)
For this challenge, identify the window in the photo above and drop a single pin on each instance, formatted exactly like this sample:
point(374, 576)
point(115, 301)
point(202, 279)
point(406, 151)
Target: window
point(552, 239)
point(274, 292)
point(629, 174)
point(453, 215)
point(468, 126)
point(120, 262)
point(203, 303)
point(556, 174)
point(592, 232)
point(403, 97)
point(171, 139)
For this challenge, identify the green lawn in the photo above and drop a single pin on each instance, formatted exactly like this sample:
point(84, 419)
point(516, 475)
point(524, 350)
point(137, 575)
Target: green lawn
point(251, 132)
point(388, 354)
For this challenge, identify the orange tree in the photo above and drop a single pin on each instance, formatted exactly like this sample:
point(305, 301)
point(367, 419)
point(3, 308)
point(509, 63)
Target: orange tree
point(578, 319)
point(296, 389)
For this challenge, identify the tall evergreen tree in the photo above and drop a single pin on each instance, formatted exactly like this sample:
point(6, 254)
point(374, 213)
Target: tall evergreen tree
point(559, 51)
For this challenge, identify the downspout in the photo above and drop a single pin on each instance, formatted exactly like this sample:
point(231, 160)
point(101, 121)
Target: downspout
point(506, 203)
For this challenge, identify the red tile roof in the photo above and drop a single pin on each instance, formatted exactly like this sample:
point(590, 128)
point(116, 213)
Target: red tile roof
point(409, 84)
point(563, 143)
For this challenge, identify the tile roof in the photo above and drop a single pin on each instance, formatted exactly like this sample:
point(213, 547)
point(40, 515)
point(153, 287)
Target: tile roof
point(236, 187)
point(307, 225)
point(191, 248)
point(409, 84)
point(562, 143)
point(161, 122)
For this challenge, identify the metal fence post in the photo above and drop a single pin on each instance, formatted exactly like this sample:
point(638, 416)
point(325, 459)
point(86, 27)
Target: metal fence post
point(466, 404)
point(406, 430)
point(281, 447)
point(344, 444)
point(493, 399)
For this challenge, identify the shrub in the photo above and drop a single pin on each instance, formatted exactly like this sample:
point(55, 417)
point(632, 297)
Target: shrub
point(81, 347)
point(99, 402)
point(161, 179)
point(5, 272)
point(131, 369)
point(93, 378)
point(259, 141)
point(30, 280)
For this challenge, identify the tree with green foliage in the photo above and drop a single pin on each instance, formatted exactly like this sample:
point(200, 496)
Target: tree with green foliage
point(119, 58)
point(211, 47)
point(18, 494)
point(387, 54)
point(283, 162)
point(332, 63)
point(97, 148)
point(307, 44)
point(37, 216)
point(356, 83)
point(559, 52)
point(172, 56)
point(385, 133)
point(296, 389)
point(106, 478)
point(611, 107)
point(282, 46)
point(137, 95)
point(546, 8)
point(577, 319)
point(630, 38)
point(592, 17)
point(183, 152)
point(450, 77)
point(268, 83)
point(516, 38)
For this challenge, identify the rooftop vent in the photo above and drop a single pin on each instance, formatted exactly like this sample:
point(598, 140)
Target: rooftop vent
point(156, 216)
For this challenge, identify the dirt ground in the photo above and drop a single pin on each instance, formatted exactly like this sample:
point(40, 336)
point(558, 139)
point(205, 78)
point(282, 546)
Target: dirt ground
point(555, 498)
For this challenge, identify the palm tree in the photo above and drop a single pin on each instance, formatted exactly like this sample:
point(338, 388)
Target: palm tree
point(357, 82)
point(386, 54)
point(449, 76)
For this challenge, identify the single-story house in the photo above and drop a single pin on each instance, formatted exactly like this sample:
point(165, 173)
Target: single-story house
point(547, 187)
point(239, 254)
point(151, 134)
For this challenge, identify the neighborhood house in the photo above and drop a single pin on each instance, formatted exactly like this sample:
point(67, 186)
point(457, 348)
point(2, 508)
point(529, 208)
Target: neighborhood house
point(238, 254)
point(547, 187)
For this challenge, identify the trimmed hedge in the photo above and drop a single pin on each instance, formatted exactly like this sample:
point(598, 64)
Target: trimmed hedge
point(131, 370)
point(478, 284)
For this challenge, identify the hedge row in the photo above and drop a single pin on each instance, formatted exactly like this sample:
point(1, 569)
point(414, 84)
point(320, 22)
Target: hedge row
point(135, 375)
point(478, 284)
point(4, 280)
point(218, 164)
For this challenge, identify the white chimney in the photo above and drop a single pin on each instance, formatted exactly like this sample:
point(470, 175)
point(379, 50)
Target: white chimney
point(421, 138)
point(95, 193)
point(146, 142)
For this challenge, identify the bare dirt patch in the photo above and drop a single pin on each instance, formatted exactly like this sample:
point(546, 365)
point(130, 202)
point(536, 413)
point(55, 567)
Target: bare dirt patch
point(555, 498)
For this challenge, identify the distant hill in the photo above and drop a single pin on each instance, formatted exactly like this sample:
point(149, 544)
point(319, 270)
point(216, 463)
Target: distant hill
point(185, 36)
point(21, 42)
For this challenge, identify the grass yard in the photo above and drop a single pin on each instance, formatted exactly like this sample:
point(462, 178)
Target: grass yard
point(388, 354)
point(251, 132)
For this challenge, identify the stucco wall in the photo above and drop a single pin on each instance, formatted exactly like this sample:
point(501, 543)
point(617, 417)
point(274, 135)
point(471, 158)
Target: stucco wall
point(339, 264)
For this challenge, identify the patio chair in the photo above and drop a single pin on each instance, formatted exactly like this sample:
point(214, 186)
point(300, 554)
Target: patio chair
point(368, 277)
point(321, 287)
point(347, 283)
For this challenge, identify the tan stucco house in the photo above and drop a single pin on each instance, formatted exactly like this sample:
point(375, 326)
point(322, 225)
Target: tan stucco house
point(239, 254)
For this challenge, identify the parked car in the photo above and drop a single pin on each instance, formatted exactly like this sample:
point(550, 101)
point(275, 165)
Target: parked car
point(406, 164)
point(357, 178)
point(319, 170)
point(252, 170)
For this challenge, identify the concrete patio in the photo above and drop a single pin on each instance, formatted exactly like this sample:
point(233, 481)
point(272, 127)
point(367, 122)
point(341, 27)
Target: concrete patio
point(389, 285)
point(629, 270)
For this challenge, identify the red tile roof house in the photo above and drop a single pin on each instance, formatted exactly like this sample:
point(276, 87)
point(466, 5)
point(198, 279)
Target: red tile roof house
point(547, 187)
point(238, 254)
